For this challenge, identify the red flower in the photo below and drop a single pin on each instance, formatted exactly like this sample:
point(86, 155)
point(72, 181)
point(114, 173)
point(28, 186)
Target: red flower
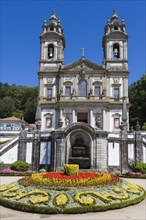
point(62, 176)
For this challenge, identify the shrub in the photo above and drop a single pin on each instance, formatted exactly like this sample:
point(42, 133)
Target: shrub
point(42, 170)
point(19, 165)
point(2, 165)
point(141, 167)
point(71, 169)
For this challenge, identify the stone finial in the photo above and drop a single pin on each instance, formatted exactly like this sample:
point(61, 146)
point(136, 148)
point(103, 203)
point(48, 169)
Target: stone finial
point(53, 16)
point(53, 12)
point(108, 20)
point(114, 13)
point(38, 113)
point(123, 21)
point(23, 125)
point(115, 16)
point(137, 126)
point(45, 21)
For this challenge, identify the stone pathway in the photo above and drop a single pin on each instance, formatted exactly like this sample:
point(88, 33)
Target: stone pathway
point(135, 212)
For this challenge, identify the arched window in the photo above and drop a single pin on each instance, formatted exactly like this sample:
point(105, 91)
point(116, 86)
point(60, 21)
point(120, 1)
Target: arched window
point(82, 88)
point(50, 51)
point(116, 51)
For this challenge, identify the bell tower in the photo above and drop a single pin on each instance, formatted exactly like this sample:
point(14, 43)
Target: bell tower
point(52, 43)
point(115, 44)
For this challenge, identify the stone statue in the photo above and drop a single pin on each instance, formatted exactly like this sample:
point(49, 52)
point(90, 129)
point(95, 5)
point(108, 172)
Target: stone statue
point(61, 91)
point(66, 121)
point(104, 92)
point(97, 122)
point(73, 92)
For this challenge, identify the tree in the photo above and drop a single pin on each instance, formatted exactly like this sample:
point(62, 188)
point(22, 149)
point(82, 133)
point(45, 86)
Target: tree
point(6, 107)
point(30, 110)
point(22, 101)
point(137, 97)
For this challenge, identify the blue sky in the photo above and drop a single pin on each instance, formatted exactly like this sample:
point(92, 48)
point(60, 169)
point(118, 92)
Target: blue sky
point(83, 23)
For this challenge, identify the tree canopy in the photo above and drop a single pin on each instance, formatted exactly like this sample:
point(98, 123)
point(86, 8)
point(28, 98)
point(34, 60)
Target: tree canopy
point(18, 101)
point(137, 98)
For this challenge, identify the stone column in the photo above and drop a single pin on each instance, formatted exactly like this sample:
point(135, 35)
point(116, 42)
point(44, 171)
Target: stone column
point(123, 151)
point(41, 87)
point(125, 87)
point(36, 151)
point(22, 149)
point(22, 144)
point(125, 51)
point(42, 51)
point(92, 122)
point(138, 148)
point(58, 154)
point(74, 116)
point(61, 121)
point(121, 51)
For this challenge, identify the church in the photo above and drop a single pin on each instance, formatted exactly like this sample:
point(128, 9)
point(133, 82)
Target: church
point(82, 113)
point(80, 105)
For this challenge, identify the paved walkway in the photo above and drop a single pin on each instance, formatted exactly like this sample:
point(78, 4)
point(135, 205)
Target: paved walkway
point(135, 212)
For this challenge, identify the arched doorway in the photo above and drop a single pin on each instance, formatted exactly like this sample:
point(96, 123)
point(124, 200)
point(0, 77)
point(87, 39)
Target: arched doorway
point(80, 149)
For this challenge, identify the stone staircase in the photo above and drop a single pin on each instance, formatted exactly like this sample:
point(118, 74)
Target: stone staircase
point(6, 147)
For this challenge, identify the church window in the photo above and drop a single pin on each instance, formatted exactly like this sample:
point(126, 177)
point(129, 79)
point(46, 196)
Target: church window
point(115, 28)
point(51, 29)
point(82, 117)
point(48, 121)
point(82, 88)
point(49, 92)
point(116, 93)
point(97, 91)
point(50, 51)
point(116, 122)
point(116, 51)
point(67, 90)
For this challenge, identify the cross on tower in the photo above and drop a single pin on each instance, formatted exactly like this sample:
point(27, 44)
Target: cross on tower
point(83, 51)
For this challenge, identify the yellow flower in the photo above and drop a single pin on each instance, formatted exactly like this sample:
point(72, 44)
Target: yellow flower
point(61, 200)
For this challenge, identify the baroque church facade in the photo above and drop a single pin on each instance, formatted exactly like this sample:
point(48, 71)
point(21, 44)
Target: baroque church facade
point(82, 112)
point(82, 105)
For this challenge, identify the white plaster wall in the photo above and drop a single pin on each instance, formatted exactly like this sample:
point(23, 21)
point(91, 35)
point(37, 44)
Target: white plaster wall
point(131, 151)
point(10, 156)
point(106, 121)
point(5, 139)
point(113, 154)
point(144, 154)
point(130, 136)
point(45, 153)
point(29, 153)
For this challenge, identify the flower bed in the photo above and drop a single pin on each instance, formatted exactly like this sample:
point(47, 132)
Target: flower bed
point(9, 172)
point(59, 179)
point(71, 200)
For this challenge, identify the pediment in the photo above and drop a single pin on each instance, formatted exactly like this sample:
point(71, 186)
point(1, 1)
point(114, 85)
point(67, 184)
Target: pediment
point(83, 65)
